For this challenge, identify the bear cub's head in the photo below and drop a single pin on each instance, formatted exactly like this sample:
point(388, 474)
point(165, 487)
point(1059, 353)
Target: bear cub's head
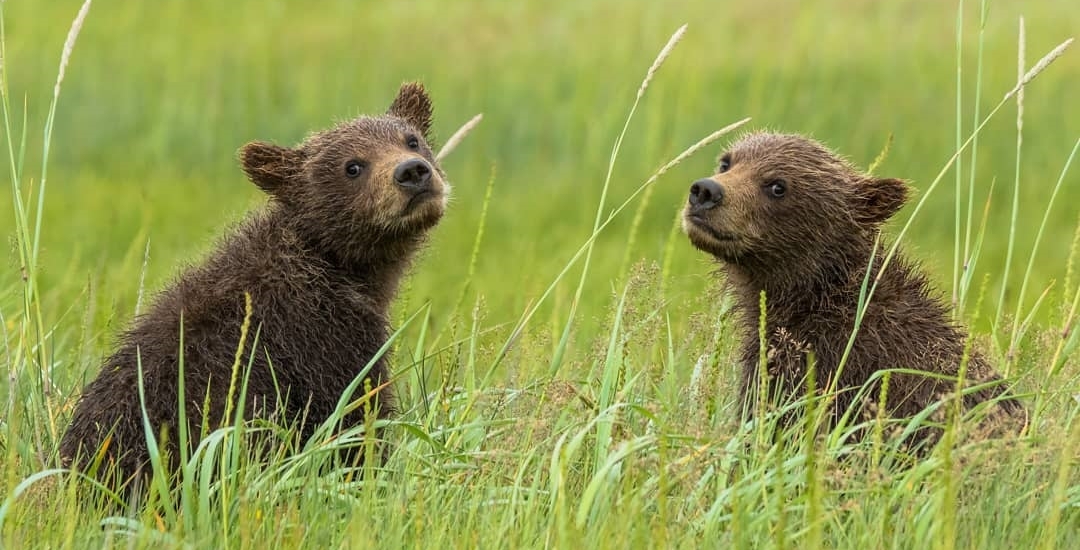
point(778, 199)
point(363, 183)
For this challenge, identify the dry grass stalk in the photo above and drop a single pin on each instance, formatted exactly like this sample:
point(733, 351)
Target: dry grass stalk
point(1039, 67)
point(1020, 78)
point(663, 55)
point(69, 44)
point(458, 136)
point(705, 142)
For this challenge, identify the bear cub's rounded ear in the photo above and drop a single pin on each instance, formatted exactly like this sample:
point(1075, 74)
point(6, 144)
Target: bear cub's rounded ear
point(413, 104)
point(270, 167)
point(881, 198)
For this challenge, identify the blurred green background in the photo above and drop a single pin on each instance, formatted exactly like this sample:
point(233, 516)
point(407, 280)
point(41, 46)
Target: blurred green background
point(161, 93)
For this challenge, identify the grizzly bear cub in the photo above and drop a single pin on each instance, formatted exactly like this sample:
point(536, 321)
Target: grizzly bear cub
point(320, 265)
point(787, 217)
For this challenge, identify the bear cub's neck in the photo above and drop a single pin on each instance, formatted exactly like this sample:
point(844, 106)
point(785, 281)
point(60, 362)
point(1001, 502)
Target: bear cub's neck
point(373, 267)
point(827, 289)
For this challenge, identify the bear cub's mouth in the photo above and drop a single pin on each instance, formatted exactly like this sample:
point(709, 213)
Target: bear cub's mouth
point(420, 197)
point(703, 224)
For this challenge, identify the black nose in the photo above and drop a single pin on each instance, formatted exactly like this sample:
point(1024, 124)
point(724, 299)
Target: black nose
point(413, 174)
point(706, 193)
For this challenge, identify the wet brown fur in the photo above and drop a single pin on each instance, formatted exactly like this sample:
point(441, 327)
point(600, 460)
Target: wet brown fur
point(321, 263)
point(809, 251)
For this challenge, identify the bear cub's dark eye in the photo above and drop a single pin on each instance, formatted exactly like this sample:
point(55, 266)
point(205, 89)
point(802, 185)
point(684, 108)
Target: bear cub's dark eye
point(776, 188)
point(725, 163)
point(412, 143)
point(354, 168)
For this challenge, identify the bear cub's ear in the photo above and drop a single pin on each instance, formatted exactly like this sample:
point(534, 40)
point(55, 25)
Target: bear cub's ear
point(269, 166)
point(413, 104)
point(881, 198)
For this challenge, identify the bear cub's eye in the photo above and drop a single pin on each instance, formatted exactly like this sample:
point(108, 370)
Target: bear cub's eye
point(412, 143)
point(354, 168)
point(776, 188)
point(725, 163)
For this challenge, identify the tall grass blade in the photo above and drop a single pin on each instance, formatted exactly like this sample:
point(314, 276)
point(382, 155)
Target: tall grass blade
point(1017, 332)
point(530, 311)
point(1007, 270)
point(560, 349)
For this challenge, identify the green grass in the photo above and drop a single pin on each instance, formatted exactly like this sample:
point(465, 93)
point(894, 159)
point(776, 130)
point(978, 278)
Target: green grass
point(608, 418)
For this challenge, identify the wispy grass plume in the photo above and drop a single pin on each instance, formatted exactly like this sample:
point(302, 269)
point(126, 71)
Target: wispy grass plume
point(458, 136)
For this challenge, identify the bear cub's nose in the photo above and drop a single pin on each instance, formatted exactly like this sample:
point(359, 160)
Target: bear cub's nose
point(414, 174)
point(706, 193)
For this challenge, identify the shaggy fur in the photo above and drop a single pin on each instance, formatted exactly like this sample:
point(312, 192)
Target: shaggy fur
point(787, 217)
point(321, 263)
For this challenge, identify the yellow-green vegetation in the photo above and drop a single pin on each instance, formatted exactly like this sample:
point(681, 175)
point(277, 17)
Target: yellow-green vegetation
point(553, 394)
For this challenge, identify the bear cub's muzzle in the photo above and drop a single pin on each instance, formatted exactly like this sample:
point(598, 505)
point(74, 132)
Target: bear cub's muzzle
point(705, 194)
point(413, 175)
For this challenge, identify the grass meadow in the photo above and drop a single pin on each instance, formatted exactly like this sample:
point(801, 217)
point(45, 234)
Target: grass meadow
point(564, 366)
